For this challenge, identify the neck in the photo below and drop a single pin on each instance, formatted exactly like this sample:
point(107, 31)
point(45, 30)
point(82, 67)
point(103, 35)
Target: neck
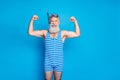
point(54, 33)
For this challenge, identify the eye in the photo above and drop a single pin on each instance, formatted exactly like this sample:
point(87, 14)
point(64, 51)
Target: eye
point(51, 20)
point(56, 20)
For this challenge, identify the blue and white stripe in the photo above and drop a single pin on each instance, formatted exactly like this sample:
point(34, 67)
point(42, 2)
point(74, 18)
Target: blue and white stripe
point(53, 52)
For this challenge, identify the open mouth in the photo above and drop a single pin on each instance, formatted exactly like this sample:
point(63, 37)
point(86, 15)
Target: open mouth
point(53, 25)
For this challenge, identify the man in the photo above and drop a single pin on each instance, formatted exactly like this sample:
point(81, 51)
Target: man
point(54, 39)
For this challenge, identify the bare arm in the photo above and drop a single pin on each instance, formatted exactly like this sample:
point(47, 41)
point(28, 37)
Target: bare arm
point(71, 34)
point(31, 31)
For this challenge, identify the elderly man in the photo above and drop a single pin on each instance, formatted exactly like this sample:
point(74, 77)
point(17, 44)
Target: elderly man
point(54, 39)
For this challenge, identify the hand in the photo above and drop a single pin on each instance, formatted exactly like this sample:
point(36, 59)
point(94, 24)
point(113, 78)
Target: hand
point(72, 19)
point(35, 17)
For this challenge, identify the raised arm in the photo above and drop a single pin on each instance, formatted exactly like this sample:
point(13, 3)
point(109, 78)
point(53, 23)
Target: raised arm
point(71, 34)
point(31, 31)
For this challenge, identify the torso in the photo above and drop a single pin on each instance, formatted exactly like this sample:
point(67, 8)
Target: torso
point(55, 35)
point(53, 49)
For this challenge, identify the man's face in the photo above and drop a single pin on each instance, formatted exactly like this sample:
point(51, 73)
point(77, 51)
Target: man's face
point(54, 22)
point(54, 25)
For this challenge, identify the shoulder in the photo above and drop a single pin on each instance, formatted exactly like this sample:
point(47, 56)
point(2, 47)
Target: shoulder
point(64, 32)
point(45, 31)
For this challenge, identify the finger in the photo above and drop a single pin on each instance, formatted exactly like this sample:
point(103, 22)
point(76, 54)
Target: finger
point(71, 19)
point(35, 17)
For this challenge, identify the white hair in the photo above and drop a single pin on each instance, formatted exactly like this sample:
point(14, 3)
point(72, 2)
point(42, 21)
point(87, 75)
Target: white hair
point(54, 29)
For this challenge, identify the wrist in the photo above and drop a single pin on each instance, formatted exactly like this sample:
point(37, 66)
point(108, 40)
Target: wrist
point(32, 19)
point(75, 21)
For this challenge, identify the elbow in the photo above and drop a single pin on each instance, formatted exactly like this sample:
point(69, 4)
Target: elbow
point(78, 34)
point(29, 33)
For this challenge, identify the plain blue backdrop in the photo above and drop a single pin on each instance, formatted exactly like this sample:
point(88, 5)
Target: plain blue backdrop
point(95, 55)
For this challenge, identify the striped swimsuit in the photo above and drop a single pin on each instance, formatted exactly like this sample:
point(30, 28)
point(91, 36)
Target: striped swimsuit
point(53, 53)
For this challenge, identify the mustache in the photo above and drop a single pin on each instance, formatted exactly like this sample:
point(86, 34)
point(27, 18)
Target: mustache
point(54, 29)
point(53, 25)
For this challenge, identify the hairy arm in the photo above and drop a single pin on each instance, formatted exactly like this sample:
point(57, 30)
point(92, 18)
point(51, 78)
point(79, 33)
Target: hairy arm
point(71, 34)
point(31, 31)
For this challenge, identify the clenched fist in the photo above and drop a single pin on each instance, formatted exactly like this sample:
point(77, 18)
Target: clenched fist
point(35, 17)
point(72, 19)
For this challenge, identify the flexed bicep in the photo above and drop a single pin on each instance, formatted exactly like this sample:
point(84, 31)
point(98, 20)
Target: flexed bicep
point(38, 33)
point(31, 31)
point(70, 34)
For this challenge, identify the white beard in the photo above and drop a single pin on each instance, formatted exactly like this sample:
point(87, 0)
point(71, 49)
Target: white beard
point(54, 29)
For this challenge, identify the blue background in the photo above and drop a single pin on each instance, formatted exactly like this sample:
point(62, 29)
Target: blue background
point(95, 55)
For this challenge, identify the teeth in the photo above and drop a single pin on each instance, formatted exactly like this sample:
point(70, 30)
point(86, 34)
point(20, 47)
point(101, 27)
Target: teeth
point(54, 25)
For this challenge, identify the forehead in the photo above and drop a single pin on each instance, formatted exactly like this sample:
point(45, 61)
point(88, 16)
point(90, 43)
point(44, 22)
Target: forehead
point(54, 18)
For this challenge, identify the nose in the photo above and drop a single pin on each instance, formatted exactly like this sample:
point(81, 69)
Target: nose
point(53, 22)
